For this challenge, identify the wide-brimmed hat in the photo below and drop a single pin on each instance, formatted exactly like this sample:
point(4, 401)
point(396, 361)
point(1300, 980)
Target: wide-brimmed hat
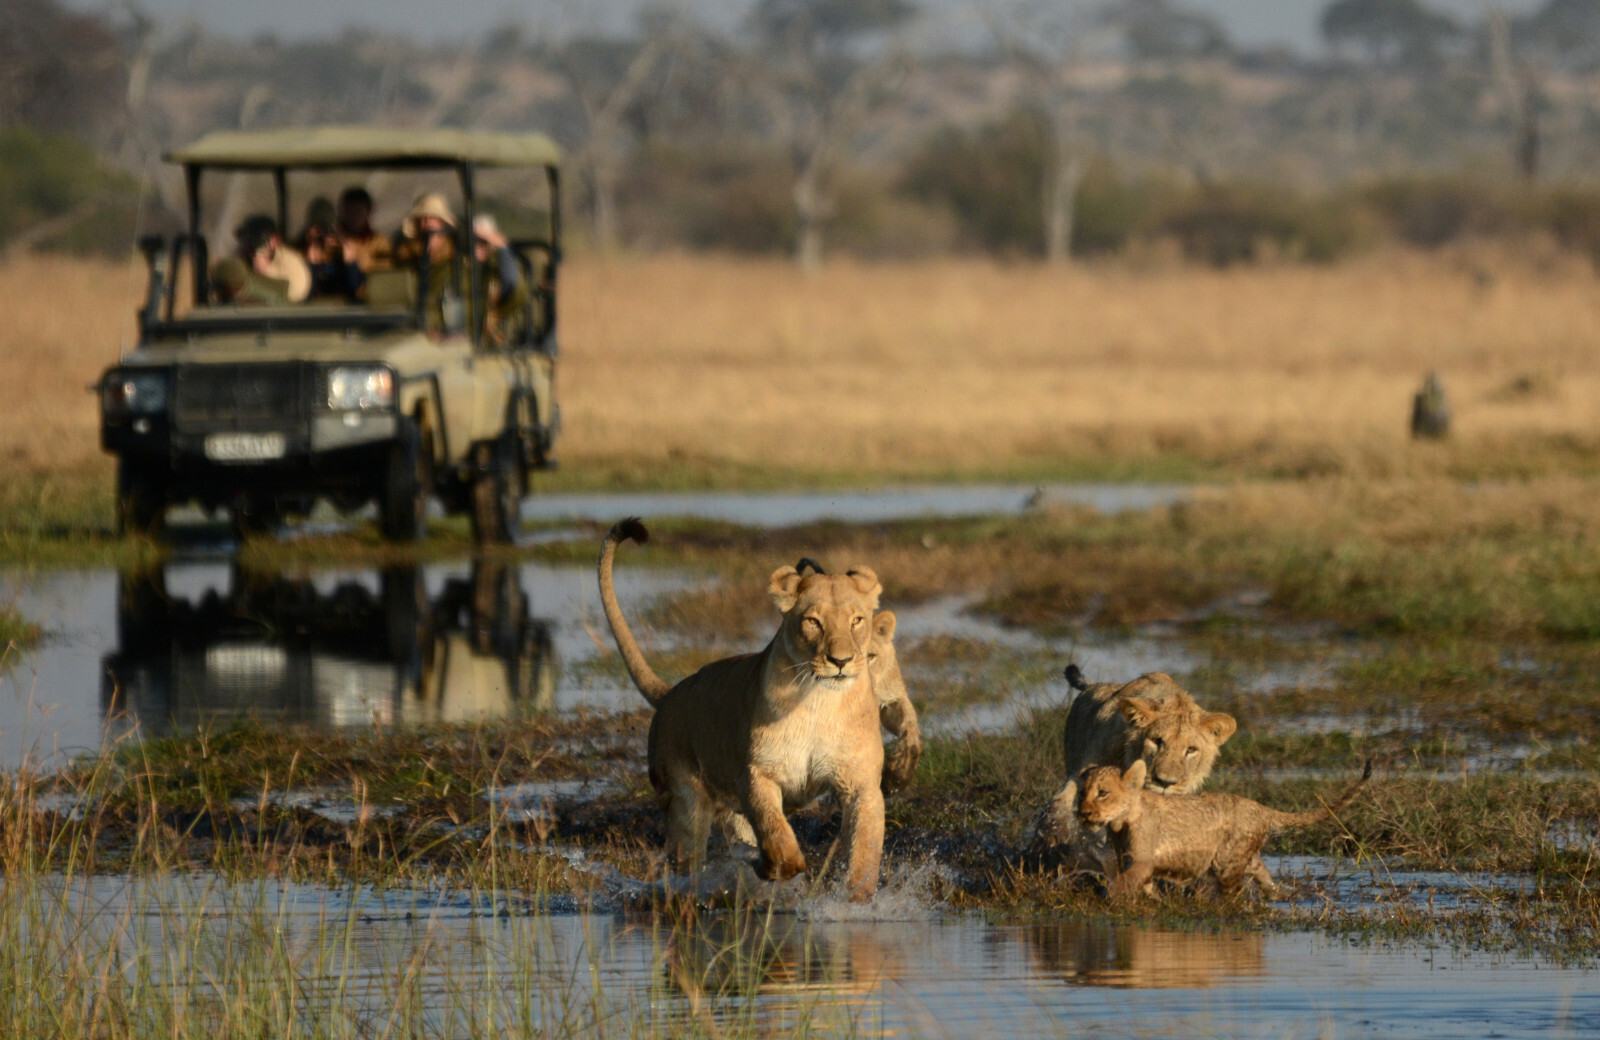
point(428, 204)
point(486, 228)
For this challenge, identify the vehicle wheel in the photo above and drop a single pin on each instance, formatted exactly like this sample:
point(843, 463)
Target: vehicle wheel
point(408, 618)
point(403, 505)
point(497, 493)
point(141, 501)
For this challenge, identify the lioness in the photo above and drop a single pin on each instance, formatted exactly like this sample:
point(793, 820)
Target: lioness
point(895, 711)
point(1187, 836)
point(764, 733)
point(1151, 719)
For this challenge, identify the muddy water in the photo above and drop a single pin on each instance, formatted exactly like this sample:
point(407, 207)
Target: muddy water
point(914, 972)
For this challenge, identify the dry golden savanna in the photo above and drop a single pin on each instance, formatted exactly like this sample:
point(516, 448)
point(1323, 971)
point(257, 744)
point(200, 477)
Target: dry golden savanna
point(965, 366)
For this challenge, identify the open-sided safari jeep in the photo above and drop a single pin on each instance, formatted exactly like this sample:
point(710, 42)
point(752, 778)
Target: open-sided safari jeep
point(394, 395)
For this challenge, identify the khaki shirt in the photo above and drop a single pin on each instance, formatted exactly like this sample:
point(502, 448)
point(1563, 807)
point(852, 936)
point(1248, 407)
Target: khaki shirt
point(289, 266)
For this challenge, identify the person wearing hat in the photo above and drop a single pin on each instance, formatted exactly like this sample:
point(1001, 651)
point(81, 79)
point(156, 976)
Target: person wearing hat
point(427, 243)
point(506, 288)
point(261, 247)
point(233, 281)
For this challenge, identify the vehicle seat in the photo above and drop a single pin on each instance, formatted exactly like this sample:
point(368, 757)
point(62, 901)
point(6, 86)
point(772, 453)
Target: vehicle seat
point(392, 290)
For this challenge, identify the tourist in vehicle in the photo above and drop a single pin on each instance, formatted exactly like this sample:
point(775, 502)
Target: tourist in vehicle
point(232, 281)
point(319, 244)
point(364, 249)
point(428, 246)
point(506, 290)
point(262, 248)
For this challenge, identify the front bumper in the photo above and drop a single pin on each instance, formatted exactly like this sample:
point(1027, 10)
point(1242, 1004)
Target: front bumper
point(329, 453)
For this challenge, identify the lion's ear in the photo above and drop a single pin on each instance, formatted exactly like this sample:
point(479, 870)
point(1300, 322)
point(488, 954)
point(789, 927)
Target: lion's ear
point(1221, 726)
point(785, 588)
point(866, 582)
point(1139, 712)
point(883, 623)
point(1133, 776)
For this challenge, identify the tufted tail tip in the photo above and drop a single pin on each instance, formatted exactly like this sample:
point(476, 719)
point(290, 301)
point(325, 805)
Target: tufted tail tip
point(631, 529)
point(1074, 677)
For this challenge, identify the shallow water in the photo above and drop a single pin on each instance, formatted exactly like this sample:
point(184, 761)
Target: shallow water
point(199, 642)
point(787, 508)
point(916, 972)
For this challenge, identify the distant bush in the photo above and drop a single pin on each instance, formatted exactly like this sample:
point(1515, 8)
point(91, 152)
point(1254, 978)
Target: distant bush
point(732, 198)
point(49, 177)
point(1229, 223)
point(981, 189)
point(990, 179)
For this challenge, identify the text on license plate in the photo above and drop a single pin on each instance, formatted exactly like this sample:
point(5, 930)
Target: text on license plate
point(244, 447)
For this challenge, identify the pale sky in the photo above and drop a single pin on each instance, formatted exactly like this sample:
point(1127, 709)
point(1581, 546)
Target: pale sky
point(1249, 22)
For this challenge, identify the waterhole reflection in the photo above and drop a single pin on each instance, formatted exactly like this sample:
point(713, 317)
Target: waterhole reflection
point(375, 648)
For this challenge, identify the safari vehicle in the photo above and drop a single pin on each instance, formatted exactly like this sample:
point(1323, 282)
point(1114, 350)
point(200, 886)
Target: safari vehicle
point(267, 409)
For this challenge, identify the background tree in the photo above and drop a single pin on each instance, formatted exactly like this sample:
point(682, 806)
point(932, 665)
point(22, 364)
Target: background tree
point(1045, 42)
point(58, 69)
point(820, 67)
point(1388, 29)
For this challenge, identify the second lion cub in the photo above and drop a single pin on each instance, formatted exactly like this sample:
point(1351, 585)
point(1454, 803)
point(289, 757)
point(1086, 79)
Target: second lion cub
point(1187, 836)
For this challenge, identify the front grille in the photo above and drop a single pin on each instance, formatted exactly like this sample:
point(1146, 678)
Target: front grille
point(241, 397)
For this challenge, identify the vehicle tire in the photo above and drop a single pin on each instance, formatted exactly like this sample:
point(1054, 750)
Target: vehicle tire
point(407, 480)
point(408, 619)
point(141, 501)
point(497, 493)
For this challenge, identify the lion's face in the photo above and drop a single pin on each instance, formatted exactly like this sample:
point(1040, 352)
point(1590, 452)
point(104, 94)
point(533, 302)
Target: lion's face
point(1110, 794)
point(827, 622)
point(882, 661)
point(1180, 743)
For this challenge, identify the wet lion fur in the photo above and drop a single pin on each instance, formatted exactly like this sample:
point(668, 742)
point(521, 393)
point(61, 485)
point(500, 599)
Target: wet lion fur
point(1187, 836)
point(765, 733)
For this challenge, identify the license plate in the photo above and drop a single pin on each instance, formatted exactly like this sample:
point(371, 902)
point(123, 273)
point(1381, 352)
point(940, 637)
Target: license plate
point(247, 663)
point(244, 447)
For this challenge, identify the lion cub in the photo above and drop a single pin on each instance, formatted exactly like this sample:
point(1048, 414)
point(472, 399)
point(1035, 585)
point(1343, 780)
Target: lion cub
point(763, 734)
point(1152, 719)
point(1186, 836)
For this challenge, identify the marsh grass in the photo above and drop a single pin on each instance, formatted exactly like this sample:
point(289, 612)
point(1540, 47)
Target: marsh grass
point(221, 919)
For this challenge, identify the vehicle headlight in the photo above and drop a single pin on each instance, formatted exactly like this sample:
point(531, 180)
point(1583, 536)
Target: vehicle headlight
point(356, 389)
point(134, 393)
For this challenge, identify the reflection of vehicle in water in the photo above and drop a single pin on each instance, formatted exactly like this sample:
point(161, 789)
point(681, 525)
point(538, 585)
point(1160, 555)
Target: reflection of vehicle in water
point(378, 650)
point(1087, 952)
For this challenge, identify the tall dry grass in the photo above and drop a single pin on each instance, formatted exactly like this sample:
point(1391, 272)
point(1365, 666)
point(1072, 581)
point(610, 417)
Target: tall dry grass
point(965, 365)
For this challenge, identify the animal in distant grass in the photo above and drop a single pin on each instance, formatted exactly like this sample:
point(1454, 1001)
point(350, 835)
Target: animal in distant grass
point(1188, 836)
point(765, 733)
point(1151, 719)
point(895, 711)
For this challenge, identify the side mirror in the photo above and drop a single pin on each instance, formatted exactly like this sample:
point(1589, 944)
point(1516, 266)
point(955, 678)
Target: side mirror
point(155, 253)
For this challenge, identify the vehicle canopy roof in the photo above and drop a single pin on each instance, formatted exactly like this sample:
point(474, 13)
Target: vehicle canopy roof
point(347, 146)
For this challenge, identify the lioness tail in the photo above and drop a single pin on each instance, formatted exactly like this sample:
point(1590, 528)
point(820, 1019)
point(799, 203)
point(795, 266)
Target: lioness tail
point(644, 677)
point(1305, 819)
